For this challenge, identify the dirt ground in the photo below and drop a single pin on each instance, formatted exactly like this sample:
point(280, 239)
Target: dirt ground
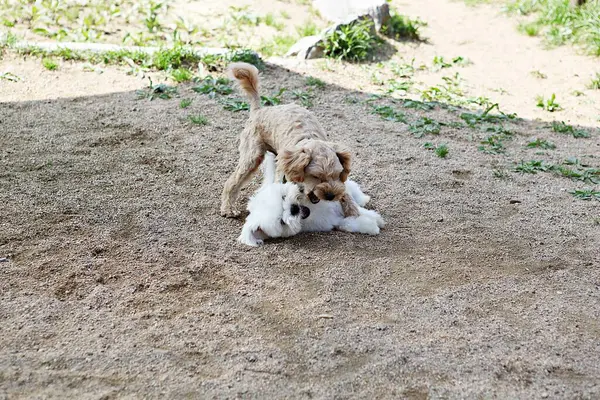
point(121, 280)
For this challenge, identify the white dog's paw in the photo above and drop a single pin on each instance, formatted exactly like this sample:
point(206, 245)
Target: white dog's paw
point(362, 224)
point(356, 193)
point(248, 238)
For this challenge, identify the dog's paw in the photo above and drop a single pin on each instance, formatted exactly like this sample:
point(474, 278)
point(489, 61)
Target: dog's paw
point(362, 201)
point(230, 213)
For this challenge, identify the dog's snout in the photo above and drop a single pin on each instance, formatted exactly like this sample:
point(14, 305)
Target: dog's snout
point(304, 212)
point(294, 209)
point(329, 196)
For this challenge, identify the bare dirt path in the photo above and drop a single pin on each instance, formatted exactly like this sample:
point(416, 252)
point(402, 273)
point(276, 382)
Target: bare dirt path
point(122, 280)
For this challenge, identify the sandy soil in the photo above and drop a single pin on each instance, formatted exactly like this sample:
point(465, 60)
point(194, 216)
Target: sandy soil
point(122, 281)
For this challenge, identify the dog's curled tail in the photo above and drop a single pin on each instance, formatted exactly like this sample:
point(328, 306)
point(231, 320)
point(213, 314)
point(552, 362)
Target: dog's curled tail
point(247, 77)
point(268, 166)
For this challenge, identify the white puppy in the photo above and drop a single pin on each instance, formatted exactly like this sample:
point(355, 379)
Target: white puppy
point(282, 210)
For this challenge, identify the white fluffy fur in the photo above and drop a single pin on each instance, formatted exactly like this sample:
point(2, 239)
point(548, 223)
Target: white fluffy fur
point(270, 214)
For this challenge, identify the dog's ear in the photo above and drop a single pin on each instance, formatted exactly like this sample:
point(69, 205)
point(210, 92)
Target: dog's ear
point(344, 157)
point(293, 162)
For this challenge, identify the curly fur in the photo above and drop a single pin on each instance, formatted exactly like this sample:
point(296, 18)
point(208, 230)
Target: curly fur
point(292, 132)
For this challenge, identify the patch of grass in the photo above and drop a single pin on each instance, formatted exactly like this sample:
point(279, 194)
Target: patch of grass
point(352, 42)
point(492, 144)
point(271, 21)
point(285, 14)
point(309, 28)
point(428, 146)
point(181, 75)
point(595, 82)
point(388, 113)
point(198, 119)
point(213, 86)
point(49, 63)
point(449, 92)
point(561, 127)
point(586, 194)
point(529, 28)
point(533, 167)
point(472, 119)
point(160, 91)
point(185, 103)
point(401, 27)
point(304, 97)
point(424, 126)
point(418, 105)
point(539, 74)
point(542, 144)
point(9, 76)
point(578, 172)
point(235, 105)
point(312, 81)
point(549, 105)
point(440, 63)
point(558, 22)
point(277, 46)
point(442, 151)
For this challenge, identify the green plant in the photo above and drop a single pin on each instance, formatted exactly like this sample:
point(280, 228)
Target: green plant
point(278, 45)
point(529, 28)
point(213, 86)
point(161, 91)
point(352, 42)
point(9, 76)
point(309, 28)
point(428, 146)
point(273, 100)
point(181, 75)
point(442, 151)
point(473, 119)
point(50, 64)
point(586, 194)
point(418, 105)
point(492, 144)
point(235, 105)
point(312, 81)
point(401, 27)
point(564, 128)
point(185, 103)
point(542, 144)
point(424, 126)
point(388, 113)
point(532, 167)
point(304, 97)
point(595, 82)
point(549, 105)
point(539, 74)
point(272, 22)
point(198, 119)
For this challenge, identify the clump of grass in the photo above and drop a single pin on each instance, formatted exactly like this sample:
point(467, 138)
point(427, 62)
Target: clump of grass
point(271, 21)
point(418, 105)
point(388, 113)
point(181, 75)
point(235, 105)
point(198, 119)
point(472, 119)
point(529, 28)
point(279, 45)
point(442, 151)
point(160, 91)
point(492, 144)
point(274, 99)
point(539, 74)
point(586, 194)
point(424, 126)
point(312, 81)
point(309, 28)
point(185, 103)
point(562, 127)
point(533, 167)
point(401, 27)
point(49, 63)
point(542, 144)
point(306, 98)
point(595, 82)
point(352, 42)
point(549, 105)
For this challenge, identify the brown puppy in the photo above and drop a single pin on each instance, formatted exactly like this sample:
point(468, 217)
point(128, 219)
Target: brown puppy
point(295, 135)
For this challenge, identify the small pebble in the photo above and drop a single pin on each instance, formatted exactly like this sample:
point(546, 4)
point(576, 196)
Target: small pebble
point(3, 259)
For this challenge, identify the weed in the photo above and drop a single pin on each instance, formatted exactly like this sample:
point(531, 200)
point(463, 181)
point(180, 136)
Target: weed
point(549, 105)
point(285, 14)
point(595, 82)
point(424, 126)
point(492, 145)
point(50, 64)
point(473, 119)
point(161, 91)
point(440, 63)
point(273, 100)
point(500, 173)
point(418, 105)
point(198, 119)
point(401, 27)
point(309, 28)
point(542, 144)
point(529, 28)
point(272, 22)
point(388, 113)
point(351, 42)
point(304, 97)
point(539, 74)
point(9, 76)
point(181, 75)
point(428, 146)
point(185, 103)
point(442, 151)
point(312, 81)
point(279, 45)
point(449, 92)
point(213, 86)
point(586, 194)
point(532, 167)
point(561, 127)
point(235, 105)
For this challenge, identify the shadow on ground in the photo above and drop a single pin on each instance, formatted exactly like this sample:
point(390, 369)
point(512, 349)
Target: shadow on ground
point(123, 280)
